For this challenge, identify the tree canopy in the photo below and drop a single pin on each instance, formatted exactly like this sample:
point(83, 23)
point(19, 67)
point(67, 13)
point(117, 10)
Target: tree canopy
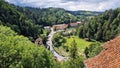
point(102, 27)
point(18, 52)
point(19, 22)
point(93, 50)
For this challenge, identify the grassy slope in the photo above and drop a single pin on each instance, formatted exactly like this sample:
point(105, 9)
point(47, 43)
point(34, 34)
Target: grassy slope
point(81, 44)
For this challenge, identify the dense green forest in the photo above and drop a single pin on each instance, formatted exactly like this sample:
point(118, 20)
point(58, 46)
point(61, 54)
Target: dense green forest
point(11, 17)
point(48, 16)
point(102, 27)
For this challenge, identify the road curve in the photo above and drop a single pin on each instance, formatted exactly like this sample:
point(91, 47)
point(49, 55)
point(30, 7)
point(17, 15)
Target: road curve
point(50, 45)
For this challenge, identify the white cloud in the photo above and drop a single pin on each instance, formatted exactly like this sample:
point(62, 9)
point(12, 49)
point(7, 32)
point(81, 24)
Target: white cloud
point(91, 5)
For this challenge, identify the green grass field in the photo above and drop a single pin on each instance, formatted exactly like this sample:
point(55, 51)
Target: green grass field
point(81, 45)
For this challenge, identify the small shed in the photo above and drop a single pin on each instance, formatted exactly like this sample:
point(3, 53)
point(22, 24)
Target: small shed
point(39, 41)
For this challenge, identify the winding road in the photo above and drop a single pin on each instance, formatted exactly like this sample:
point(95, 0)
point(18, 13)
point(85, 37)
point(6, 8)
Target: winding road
point(50, 45)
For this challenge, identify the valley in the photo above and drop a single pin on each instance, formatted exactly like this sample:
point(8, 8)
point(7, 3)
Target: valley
point(55, 37)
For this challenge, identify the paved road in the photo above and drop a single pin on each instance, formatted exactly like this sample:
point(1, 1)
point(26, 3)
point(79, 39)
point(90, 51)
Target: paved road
point(50, 44)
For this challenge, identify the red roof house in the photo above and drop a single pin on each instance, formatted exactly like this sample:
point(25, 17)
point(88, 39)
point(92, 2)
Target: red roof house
point(60, 27)
point(108, 58)
point(38, 41)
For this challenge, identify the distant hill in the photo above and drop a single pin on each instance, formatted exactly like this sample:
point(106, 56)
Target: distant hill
point(85, 13)
point(50, 16)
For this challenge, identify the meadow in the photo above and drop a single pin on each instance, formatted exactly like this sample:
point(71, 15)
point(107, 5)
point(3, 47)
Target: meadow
point(81, 45)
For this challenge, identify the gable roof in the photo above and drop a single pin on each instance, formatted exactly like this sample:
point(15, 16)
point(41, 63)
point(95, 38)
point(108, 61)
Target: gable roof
point(108, 58)
point(74, 24)
point(60, 26)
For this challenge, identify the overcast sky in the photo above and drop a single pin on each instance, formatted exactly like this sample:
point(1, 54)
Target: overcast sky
point(73, 5)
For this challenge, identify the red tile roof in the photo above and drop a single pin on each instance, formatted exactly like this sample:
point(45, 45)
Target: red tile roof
point(60, 26)
point(108, 58)
point(74, 24)
point(38, 41)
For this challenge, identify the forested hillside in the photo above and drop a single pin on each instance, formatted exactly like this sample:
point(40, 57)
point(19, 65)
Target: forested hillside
point(48, 16)
point(102, 27)
point(18, 52)
point(85, 15)
point(11, 17)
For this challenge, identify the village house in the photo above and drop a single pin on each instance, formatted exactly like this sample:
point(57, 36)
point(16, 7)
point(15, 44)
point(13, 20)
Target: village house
point(39, 41)
point(64, 26)
point(75, 24)
point(60, 27)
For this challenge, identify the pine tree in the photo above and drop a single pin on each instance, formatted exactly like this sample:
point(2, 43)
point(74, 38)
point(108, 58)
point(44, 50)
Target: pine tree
point(86, 52)
point(73, 49)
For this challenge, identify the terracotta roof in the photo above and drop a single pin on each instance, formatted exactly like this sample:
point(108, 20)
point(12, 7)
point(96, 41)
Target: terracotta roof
point(74, 24)
point(38, 41)
point(60, 26)
point(108, 58)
